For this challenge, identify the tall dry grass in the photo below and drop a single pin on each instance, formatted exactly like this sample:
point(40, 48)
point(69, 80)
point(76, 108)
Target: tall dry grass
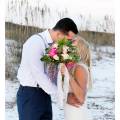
point(20, 33)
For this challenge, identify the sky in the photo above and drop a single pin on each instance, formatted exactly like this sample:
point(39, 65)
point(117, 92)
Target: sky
point(95, 7)
point(92, 10)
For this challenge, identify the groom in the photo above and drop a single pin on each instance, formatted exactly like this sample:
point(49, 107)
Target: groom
point(34, 94)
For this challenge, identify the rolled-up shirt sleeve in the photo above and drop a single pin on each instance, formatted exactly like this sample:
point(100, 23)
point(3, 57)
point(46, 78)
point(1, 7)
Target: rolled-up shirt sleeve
point(34, 50)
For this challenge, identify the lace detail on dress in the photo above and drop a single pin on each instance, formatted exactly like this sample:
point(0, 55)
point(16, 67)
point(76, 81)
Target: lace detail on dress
point(52, 72)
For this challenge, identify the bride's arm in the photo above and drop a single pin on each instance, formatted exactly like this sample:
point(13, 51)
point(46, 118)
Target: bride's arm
point(79, 86)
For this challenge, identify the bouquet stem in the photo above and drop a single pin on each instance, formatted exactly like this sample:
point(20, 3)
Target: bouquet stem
point(63, 80)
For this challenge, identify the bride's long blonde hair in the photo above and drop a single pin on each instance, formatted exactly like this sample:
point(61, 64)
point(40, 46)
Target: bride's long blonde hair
point(85, 55)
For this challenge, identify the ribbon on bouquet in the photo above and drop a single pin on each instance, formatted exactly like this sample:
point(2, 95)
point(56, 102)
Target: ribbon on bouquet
point(63, 86)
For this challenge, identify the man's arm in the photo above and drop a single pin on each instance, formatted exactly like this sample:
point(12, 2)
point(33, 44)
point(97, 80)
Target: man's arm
point(34, 50)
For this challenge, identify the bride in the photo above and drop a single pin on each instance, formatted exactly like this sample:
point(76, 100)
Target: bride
point(79, 83)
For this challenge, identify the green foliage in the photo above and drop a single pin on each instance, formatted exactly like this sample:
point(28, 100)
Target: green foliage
point(71, 52)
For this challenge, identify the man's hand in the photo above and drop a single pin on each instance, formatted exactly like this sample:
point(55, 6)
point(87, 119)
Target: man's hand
point(72, 100)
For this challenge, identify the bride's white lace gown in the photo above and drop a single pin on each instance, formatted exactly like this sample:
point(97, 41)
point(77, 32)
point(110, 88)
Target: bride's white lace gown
point(74, 113)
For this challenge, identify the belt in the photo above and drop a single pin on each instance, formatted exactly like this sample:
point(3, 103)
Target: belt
point(38, 87)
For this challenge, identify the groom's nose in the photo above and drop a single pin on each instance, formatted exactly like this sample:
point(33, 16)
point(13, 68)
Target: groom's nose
point(70, 35)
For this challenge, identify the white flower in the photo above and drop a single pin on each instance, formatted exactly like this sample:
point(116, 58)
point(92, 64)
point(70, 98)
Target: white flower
point(70, 57)
point(65, 56)
point(56, 57)
point(55, 45)
point(65, 49)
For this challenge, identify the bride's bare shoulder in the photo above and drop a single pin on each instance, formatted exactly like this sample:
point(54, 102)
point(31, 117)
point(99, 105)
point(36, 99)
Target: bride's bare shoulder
point(81, 70)
point(82, 66)
point(81, 75)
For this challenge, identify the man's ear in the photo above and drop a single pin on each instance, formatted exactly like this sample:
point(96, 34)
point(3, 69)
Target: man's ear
point(57, 32)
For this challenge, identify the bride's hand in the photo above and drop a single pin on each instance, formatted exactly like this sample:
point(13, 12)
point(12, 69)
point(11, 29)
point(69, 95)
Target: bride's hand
point(72, 100)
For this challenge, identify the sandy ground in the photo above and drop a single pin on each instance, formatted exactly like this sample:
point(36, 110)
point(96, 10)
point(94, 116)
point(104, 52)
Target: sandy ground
point(100, 99)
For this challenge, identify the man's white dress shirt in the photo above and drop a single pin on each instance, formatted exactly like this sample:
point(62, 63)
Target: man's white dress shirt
point(31, 70)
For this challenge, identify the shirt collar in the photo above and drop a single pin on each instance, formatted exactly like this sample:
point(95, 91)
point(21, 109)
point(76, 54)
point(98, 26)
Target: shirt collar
point(48, 36)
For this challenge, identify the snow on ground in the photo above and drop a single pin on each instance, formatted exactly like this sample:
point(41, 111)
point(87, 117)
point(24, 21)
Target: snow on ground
point(100, 99)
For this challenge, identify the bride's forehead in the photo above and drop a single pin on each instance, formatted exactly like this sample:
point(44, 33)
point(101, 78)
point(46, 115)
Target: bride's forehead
point(75, 40)
point(75, 37)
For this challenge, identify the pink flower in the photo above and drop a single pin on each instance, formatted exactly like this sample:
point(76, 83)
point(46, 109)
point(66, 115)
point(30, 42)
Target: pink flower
point(52, 52)
point(70, 65)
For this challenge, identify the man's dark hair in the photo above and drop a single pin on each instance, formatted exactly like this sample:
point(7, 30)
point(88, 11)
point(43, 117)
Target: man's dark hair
point(65, 25)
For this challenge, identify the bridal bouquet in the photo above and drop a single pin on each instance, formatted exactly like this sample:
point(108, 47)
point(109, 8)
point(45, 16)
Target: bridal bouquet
point(61, 52)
